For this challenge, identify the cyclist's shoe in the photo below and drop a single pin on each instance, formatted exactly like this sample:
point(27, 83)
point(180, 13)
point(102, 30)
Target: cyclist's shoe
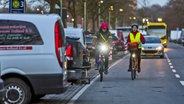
point(139, 69)
point(129, 69)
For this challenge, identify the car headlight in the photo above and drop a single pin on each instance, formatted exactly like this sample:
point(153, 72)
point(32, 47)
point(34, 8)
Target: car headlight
point(142, 48)
point(159, 48)
point(164, 42)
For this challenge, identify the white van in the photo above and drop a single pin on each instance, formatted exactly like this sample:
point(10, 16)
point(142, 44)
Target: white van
point(31, 56)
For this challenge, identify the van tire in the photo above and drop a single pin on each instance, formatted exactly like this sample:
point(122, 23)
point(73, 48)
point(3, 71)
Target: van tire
point(17, 87)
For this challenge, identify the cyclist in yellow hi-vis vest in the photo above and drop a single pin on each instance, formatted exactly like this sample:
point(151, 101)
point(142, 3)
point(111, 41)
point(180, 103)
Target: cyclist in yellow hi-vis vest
point(103, 36)
point(136, 36)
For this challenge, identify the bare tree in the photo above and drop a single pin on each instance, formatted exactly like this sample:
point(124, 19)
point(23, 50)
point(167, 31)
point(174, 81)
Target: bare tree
point(174, 14)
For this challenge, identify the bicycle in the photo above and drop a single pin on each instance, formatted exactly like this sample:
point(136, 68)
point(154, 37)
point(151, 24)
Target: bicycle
point(103, 48)
point(133, 48)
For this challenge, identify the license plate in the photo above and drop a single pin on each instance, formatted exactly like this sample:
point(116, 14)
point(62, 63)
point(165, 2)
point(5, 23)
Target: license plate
point(150, 54)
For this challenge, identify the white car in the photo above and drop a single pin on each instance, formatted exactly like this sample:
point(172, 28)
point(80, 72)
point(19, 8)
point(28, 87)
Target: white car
point(152, 47)
point(32, 56)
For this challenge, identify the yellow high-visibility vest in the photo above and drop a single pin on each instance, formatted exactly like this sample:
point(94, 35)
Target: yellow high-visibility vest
point(137, 38)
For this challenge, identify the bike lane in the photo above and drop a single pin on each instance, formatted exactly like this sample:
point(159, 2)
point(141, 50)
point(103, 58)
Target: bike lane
point(156, 84)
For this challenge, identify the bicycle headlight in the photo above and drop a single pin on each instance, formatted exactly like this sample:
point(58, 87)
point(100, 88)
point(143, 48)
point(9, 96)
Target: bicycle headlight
point(103, 48)
point(133, 55)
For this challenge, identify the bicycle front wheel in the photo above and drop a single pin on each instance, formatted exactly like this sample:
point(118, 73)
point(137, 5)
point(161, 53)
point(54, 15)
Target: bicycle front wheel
point(133, 72)
point(101, 75)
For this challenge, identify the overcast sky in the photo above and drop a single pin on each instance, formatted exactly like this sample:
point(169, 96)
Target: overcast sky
point(151, 2)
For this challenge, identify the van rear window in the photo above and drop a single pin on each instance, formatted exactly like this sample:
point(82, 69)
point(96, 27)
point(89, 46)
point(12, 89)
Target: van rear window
point(14, 32)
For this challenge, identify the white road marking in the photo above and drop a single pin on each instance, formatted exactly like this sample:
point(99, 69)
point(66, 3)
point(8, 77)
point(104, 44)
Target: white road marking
point(76, 96)
point(170, 63)
point(171, 67)
point(182, 83)
point(174, 71)
point(72, 101)
point(177, 75)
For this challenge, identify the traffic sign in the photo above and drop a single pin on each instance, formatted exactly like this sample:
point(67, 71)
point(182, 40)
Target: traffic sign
point(16, 6)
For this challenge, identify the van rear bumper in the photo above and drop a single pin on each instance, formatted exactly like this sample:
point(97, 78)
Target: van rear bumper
point(48, 83)
point(77, 73)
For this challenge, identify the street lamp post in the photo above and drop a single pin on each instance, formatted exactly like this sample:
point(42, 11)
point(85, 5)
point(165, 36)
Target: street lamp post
point(109, 18)
point(120, 10)
point(99, 4)
point(111, 8)
point(84, 21)
point(61, 9)
point(143, 21)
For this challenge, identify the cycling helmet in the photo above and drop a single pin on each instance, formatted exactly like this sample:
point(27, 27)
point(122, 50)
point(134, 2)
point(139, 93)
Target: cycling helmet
point(135, 24)
point(104, 26)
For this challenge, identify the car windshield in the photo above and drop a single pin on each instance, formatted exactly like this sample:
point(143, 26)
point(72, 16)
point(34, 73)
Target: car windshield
point(157, 31)
point(89, 39)
point(152, 40)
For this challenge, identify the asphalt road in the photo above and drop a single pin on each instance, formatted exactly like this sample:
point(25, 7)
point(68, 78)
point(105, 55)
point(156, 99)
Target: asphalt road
point(160, 82)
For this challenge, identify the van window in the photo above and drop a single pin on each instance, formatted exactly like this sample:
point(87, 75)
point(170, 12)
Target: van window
point(14, 32)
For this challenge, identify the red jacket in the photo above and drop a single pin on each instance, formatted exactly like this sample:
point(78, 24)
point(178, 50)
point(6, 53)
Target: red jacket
point(134, 33)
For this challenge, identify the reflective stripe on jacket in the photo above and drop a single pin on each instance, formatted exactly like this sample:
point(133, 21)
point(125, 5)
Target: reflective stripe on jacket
point(137, 38)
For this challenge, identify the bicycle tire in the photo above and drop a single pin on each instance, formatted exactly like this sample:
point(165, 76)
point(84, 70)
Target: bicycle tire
point(101, 75)
point(101, 70)
point(132, 69)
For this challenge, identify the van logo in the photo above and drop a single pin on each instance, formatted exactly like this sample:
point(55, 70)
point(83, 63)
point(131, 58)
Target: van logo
point(16, 48)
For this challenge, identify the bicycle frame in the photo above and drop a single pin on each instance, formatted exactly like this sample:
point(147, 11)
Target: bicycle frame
point(134, 64)
point(133, 47)
point(101, 60)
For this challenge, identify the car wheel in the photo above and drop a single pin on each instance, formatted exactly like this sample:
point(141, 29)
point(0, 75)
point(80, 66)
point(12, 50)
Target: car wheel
point(18, 92)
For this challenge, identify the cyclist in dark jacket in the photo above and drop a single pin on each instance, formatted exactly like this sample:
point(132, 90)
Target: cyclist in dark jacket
point(103, 36)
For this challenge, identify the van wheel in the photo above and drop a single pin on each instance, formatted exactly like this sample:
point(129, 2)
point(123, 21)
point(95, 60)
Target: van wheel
point(18, 92)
